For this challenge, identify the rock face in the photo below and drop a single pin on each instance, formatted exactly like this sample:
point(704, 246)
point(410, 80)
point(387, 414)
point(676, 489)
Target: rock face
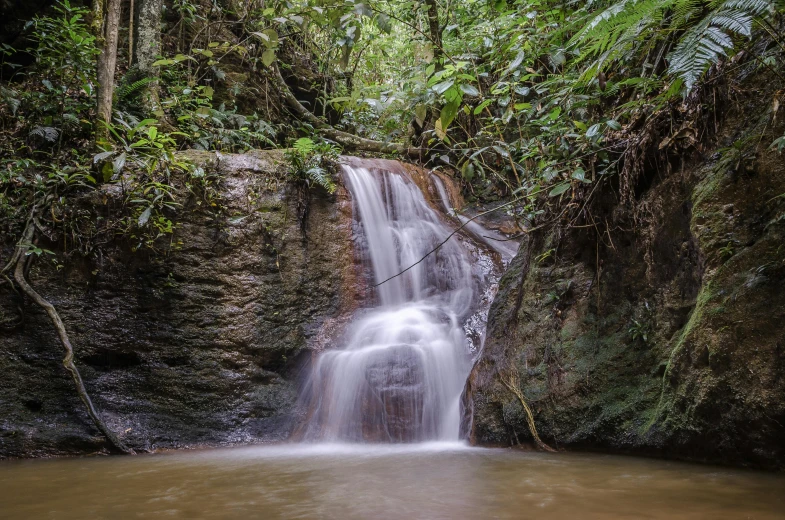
point(665, 334)
point(200, 347)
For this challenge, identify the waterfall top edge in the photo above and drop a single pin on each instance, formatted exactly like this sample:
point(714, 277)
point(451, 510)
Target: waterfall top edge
point(390, 165)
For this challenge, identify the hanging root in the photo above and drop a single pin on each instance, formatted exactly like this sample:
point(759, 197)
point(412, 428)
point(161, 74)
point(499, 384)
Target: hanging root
point(68, 362)
point(511, 382)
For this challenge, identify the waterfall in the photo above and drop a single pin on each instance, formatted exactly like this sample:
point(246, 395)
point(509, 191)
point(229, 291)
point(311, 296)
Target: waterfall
point(399, 372)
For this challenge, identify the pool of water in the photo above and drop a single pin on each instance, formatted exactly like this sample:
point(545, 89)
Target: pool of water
point(429, 481)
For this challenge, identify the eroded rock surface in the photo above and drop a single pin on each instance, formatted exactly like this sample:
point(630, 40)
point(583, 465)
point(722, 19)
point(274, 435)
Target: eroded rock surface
point(198, 347)
point(665, 334)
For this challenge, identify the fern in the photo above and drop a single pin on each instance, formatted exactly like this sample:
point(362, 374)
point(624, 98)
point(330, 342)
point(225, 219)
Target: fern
point(129, 89)
point(321, 177)
point(304, 146)
point(621, 31)
point(712, 38)
point(47, 133)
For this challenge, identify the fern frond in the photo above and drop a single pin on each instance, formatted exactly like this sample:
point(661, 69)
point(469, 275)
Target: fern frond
point(754, 7)
point(47, 133)
point(321, 177)
point(129, 89)
point(709, 40)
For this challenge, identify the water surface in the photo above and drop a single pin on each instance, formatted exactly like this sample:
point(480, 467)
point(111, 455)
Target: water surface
point(431, 481)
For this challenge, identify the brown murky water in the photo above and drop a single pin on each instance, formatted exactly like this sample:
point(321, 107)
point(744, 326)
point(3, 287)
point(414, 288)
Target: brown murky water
point(428, 482)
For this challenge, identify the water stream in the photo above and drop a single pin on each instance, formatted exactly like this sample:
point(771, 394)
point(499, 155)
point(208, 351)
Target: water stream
point(385, 411)
point(399, 481)
point(399, 372)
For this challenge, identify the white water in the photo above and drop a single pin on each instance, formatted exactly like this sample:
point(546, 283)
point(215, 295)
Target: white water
point(400, 374)
point(496, 241)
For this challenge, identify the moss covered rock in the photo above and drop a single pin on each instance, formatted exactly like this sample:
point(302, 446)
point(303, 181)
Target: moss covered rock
point(664, 332)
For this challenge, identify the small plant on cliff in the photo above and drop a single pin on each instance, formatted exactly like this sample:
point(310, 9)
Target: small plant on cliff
point(312, 163)
point(727, 251)
point(639, 330)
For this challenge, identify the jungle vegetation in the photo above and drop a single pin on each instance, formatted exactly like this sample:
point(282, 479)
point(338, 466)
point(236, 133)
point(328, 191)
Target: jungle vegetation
point(537, 104)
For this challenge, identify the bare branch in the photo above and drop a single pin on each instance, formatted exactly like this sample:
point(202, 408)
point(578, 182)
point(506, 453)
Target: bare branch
point(429, 253)
point(512, 385)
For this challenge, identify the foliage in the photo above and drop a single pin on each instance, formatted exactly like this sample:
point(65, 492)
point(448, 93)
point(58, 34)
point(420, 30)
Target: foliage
point(640, 330)
point(66, 51)
point(312, 163)
point(528, 99)
point(779, 144)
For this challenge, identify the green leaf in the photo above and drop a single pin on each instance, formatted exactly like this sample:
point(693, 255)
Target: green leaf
point(593, 130)
point(470, 90)
point(448, 113)
point(516, 62)
point(272, 37)
point(443, 86)
point(580, 175)
point(439, 129)
point(482, 106)
point(420, 112)
point(467, 171)
point(559, 189)
point(119, 163)
point(145, 216)
point(101, 156)
point(106, 171)
point(268, 57)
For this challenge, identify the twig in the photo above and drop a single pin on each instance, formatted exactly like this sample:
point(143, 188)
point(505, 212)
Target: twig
point(447, 239)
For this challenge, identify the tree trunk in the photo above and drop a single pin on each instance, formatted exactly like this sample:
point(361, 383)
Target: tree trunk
point(97, 24)
point(107, 63)
point(131, 35)
point(147, 47)
point(436, 33)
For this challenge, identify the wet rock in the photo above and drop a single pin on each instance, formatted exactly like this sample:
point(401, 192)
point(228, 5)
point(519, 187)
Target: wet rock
point(667, 337)
point(198, 347)
point(393, 396)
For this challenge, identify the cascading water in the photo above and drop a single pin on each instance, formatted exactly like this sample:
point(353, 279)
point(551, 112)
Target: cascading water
point(400, 375)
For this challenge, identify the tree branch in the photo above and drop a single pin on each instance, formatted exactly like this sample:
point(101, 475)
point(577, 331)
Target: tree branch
point(512, 385)
point(346, 139)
